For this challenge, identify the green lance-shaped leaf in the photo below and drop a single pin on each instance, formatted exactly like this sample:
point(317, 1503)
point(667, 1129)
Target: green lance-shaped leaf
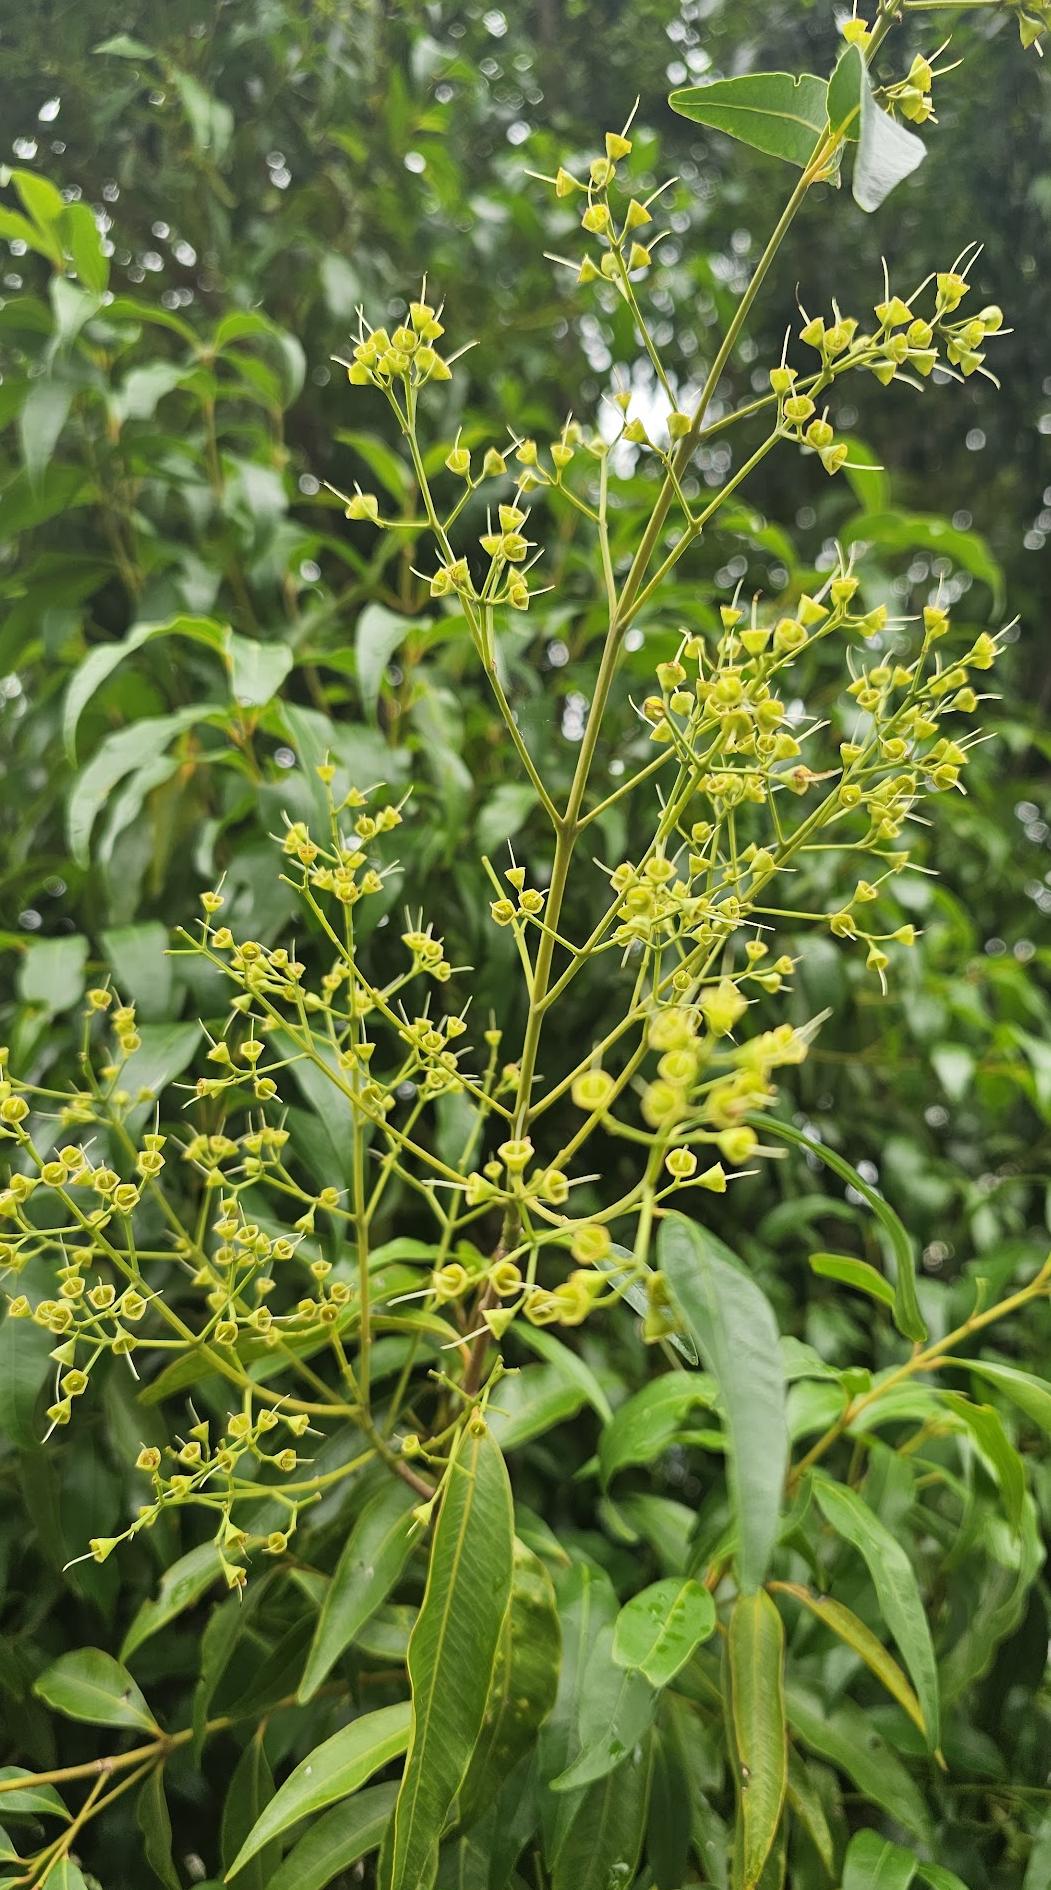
point(846, 1737)
point(780, 113)
point(907, 1316)
point(181, 1586)
point(453, 1650)
point(756, 1649)
point(28, 1799)
point(587, 1609)
point(897, 1590)
point(1030, 1394)
point(856, 1273)
point(642, 1427)
point(332, 1771)
point(90, 1685)
point(844, 1623)
point(378, 634)
point(872, 1862)
point(250, 1791)
point(331, 1844)
point(154, 1821)
point(525, 1680)
point(376, 1551)
point(844, 93)
point(103, 658)
point(734, 1329)
point(604, 1841)
point(987, 1428)
point(807, 1807)
point(659, 1629)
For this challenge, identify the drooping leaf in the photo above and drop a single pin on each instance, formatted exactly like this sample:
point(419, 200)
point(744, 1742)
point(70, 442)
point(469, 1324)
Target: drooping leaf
point(336, 1841)
point(24, 1364)
point(525, 1679)
point(660, 1628)
point(332, 1771)
point(644, 1425)
point(806, 1804)
point(781, 113)
point(453, 1650)
point(873, 1862)
point(907, 1316)
point(756, 1647)
point(897, 1590)
point(887, 152)
point(376, 1550)
point(1030, 1394)
point(29, 1800)
point(854, 1633)
point(42, 419)
point(732, 1325)
point(119, 754)
point(616, 1712)
point(987, 1428)
point(85, 246)
point(89, 1684)
point(533, 1401)
point(103, 658)
point(587, 1609)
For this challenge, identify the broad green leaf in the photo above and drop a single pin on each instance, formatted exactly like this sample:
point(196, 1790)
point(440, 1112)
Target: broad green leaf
point(44, 203)
point(51, 973)
point(843, 1622)
point(142, 969)
point(734, 1329)
point(857, 1273)
point(533, 1401)
point(103, 658)
point(987, 1428)
point(332, 1771)
point(568, 1362)
point(22, 1797)
point(887, 152)
point(25, 1351)
point(780, 113)
point(89, 1684)
point(897, 1590)
point(872, 1862)
point(382, 461)
point(119, 754)
point(1030, 1394)
point(604, 1841)
point(333, 1843)
point(909, 532)
point(587, 1609)
point(67, 1876)
point(154, 1821)
point(525, 1679)
point(846, 1737)
point(180, 1587)
point(907, 1316)
point(643, 1427)
point(376, 1550)
point(659, 1629)
point(44, 414)
point(141, 392)
point(616, 1712)
point(379, 632)
point(250, 1792)
point(453, 1650)
point(756, 1647)
point(257, 670)
point(503, 813)
point(163, 1053)
point(938, 1878)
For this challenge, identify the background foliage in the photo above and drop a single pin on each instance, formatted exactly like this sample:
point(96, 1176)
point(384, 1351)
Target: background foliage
point(259, 172)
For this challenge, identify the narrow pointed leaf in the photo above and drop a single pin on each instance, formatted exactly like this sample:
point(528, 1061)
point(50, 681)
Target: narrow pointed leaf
point(659, 1629)
point(604, 1841)
point(337, 1840)
point(734, 1329)
point(856, 1273)
point(587, 1609)
point(844, 1623)
point(180, 1587)
point(756, 1665)
point(907, 1316)
point(376, 1551)
point(987, 1428)
point(92, 1686)
point(453, 1650)
point(1030, 1394)
point(846, 1737)
point(154, 1821)
point(780, 113)
point(250, 1791)
point(642, 1427)
point(332, 1771)
point(897, 1590)
point(806, 1804)
point(844, 93)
